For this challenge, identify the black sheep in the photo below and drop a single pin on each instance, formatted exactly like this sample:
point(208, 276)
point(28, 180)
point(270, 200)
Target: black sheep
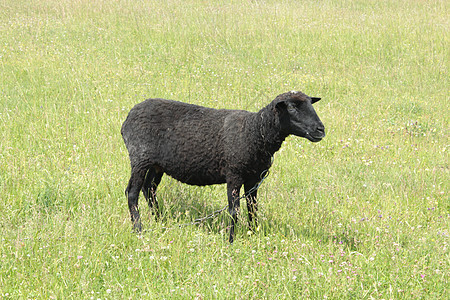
point(203, 146)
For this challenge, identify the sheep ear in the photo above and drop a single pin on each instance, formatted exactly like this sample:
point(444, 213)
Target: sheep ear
point(314, 99)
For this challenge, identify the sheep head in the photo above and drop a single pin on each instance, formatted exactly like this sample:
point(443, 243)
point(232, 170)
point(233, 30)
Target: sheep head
point(298, 117)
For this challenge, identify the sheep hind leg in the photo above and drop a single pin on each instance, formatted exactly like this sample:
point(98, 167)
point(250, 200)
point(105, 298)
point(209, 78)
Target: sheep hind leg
point(151, 182)
point(252, 205)
point(233, 207)
point(132, 194)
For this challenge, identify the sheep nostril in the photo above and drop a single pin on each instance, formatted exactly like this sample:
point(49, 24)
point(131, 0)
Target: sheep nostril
point(321, 130)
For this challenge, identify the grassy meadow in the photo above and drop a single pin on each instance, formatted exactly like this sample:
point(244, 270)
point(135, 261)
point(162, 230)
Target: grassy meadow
point(364, 214)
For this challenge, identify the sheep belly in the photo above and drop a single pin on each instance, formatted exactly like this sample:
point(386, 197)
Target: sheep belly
point(193, 161)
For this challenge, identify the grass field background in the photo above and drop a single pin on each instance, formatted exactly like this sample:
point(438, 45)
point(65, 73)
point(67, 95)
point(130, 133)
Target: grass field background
point(362, 214)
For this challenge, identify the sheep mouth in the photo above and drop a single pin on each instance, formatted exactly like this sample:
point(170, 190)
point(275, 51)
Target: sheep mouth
point(315, 138)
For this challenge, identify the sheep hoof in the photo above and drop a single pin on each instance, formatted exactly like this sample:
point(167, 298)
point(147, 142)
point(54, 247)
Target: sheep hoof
point(137, 228)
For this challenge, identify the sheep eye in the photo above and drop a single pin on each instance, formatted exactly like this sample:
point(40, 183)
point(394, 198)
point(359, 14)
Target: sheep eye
point(291, 107)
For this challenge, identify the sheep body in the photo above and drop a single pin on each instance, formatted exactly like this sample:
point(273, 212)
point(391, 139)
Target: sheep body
point(193, 144)
point(203, 146)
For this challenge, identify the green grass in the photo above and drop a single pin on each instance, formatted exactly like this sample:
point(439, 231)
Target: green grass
point(362, 214)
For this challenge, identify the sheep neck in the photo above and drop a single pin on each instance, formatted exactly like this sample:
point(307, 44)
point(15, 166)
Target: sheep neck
point(271, 135)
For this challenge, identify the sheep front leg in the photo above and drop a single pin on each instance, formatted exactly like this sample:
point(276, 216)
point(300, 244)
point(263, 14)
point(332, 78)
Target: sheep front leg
point(233, 206)
point(252, 205)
